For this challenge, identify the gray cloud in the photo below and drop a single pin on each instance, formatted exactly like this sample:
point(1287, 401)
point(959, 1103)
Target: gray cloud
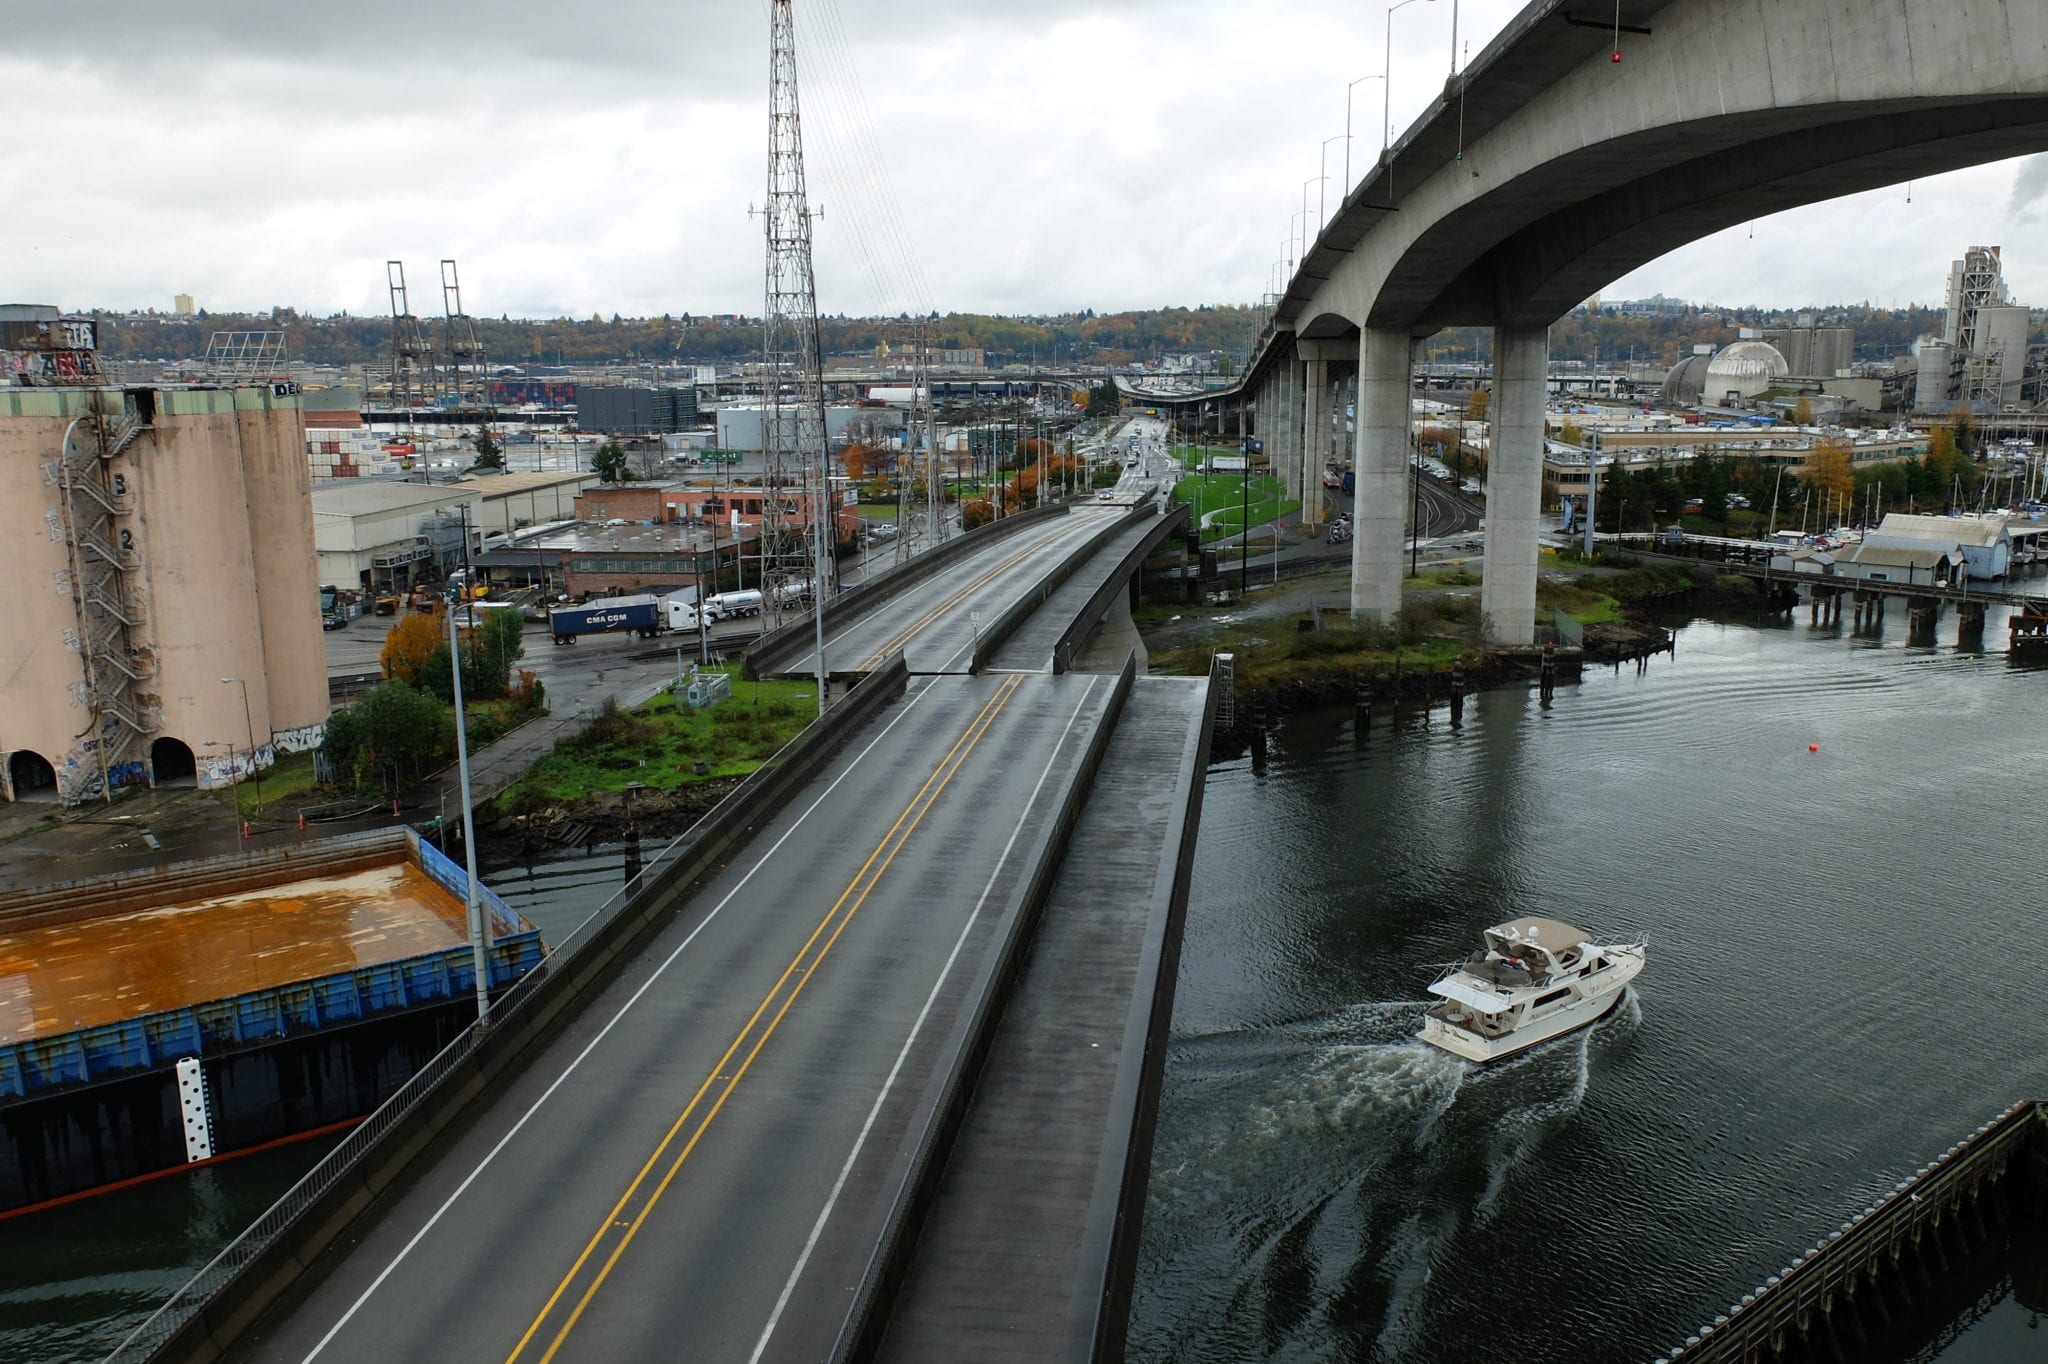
point(1060, 154)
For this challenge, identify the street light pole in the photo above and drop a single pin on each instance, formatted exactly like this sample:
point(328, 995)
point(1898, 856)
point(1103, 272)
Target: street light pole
point(1323, 165)
point(1347, 125)
point(479, 931)
point(1387, 84)
point(249, 720)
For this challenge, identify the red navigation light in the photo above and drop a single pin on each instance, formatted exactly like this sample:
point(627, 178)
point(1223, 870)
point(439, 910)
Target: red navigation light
point(1615, 58)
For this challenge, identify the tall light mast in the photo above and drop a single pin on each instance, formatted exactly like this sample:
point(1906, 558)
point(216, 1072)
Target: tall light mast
point(792, 377)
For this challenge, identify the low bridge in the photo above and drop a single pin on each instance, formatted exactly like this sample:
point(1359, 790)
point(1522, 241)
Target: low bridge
point(863, 1066)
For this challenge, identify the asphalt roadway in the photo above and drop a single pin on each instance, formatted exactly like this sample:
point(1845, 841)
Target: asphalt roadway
point(935, 623)
point(700, 1166)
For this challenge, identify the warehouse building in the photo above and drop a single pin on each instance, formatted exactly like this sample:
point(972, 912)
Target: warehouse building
point(597, 560)
point(164, 619)
point(384, 537)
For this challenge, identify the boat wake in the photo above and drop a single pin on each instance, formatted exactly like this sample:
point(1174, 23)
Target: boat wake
point(1312, 1162)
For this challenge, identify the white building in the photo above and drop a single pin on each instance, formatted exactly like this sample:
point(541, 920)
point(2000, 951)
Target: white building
point(1984, 542)
point(380, 536)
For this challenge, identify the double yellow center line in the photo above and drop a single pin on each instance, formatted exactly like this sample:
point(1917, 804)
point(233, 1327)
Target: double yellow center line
point(629, 1214)
point(904, 636)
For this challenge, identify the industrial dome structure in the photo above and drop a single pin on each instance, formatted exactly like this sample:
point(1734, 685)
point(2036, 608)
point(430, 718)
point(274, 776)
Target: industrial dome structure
point(1744, 370)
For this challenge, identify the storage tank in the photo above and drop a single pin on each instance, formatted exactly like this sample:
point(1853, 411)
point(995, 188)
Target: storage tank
point(278, 489)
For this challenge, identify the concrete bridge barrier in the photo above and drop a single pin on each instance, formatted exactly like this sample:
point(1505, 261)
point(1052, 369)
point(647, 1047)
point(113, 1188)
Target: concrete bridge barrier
point(967, 1046)
point(1017, 612)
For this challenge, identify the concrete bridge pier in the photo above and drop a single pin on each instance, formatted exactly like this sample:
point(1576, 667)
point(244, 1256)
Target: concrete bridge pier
point(1920, 621)
point(1315, 455)
point(1514, 484)
point(1970, 625)
point(1380, 462)
point(1288, 461)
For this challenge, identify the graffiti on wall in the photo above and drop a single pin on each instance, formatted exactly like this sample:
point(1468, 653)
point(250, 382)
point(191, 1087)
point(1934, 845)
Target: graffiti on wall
point(217, 770)
point(298, 740)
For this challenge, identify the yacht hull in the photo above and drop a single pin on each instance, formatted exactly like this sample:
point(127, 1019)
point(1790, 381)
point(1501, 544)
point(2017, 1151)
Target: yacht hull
point(1579, 1014)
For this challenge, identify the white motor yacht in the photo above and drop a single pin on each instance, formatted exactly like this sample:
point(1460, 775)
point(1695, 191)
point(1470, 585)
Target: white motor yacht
point(1536, 979)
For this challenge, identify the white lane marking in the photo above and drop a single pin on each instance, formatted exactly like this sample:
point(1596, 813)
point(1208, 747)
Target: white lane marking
point(548, 1093)
point(818, 1228)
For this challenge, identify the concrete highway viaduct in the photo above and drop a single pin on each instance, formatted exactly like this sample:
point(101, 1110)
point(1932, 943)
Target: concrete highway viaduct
point(1548, 168)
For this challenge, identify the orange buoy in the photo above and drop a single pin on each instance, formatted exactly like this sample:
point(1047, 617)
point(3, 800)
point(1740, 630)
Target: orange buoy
point(1813, 748)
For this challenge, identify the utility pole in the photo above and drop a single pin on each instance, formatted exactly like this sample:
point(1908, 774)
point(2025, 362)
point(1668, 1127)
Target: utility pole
point(794, 432)
point(479, 929)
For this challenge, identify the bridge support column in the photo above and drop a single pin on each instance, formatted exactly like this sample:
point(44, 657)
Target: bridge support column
point(1287, 461)
point(1315, 445)
point(1380, 464)
point(1514, 484)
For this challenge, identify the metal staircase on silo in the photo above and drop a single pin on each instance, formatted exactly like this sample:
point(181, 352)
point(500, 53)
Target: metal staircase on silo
point(104, 559)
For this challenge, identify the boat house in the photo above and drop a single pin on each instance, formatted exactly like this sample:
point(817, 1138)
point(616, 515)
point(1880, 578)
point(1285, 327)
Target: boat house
point(1927, 565)
point(1984, 541)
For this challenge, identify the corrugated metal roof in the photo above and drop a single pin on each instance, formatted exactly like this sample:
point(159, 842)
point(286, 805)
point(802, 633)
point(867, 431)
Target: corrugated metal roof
point(1901, 556)
point(1980, 532)
point(355, 497)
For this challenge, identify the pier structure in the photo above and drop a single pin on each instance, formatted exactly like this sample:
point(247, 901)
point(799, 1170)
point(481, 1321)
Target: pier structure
point(1857, 1285)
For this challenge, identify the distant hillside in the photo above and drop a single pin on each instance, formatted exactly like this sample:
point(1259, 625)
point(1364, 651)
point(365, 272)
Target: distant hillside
point(344, 340)
point(1085, 337)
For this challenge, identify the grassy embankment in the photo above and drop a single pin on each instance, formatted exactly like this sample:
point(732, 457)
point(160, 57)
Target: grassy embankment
point(659, 745)
point(289, 784)
point(1281, 665)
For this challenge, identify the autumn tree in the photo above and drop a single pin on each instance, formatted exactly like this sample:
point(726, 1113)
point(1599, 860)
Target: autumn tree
point(1831, 468)
point(409, 644)
point(857, 459)
point(1802, 411)
point(976, 511)
point(1478, 405)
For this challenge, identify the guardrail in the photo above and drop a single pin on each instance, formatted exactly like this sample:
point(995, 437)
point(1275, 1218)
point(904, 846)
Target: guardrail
point(212, 1310)
point(988, 643)
point(778, 648)
point(1093, 609)
point(1786, 1303)
point(967, 1047)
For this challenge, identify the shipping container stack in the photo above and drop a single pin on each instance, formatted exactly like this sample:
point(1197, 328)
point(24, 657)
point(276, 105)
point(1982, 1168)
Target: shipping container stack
point(347, 452)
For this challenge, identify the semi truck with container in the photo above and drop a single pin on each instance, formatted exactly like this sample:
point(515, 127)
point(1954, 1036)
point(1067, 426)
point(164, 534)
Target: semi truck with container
point(641, 614)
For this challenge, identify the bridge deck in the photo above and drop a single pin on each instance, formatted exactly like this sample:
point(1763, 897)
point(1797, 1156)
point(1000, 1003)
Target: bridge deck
point(1029, 650)
point(705, 1159)
point(934, 624)
point(1018, 1250)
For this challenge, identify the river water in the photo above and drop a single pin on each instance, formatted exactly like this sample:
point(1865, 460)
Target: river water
point(1837, 989)
point(1839, 948)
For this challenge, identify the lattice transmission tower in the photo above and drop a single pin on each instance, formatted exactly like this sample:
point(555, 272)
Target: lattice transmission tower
point(792, 376)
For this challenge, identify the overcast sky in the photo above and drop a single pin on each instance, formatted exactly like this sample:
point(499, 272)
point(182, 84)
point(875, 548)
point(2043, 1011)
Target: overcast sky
point(1029, 155)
